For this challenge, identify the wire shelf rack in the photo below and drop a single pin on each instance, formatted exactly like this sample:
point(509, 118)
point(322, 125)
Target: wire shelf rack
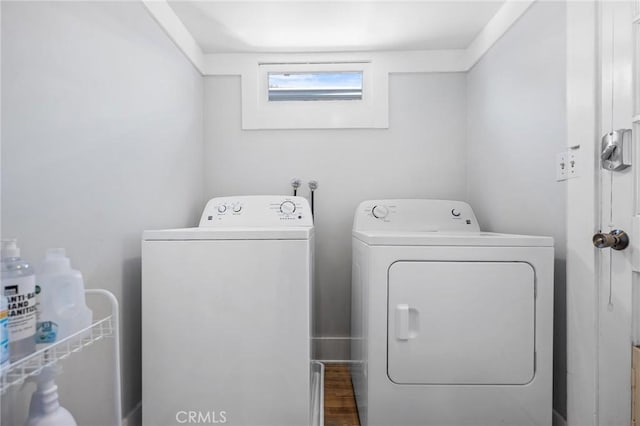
point(16, 373)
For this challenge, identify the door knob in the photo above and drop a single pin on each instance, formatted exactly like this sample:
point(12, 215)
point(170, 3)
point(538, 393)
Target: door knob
point(616, 239)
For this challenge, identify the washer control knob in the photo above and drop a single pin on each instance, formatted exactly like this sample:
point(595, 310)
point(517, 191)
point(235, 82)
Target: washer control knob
point(380, 212)
point(287, 207)
point(222, 208)
point(455, 213)
point(237, 208)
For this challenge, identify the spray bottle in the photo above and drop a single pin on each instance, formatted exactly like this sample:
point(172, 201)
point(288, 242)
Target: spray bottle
point(45, 410)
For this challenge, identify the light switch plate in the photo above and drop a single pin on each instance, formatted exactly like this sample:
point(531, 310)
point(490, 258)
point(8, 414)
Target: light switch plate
point(573, 163)
point(567, 164)
point(561, 166)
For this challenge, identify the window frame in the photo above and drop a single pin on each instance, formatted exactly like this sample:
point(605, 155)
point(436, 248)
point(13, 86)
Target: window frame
point(369, 112)
point(313, 90)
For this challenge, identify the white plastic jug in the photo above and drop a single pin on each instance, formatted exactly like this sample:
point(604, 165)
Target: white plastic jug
point(62, 309)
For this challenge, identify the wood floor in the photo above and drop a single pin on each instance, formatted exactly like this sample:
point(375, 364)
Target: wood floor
point(339, 401)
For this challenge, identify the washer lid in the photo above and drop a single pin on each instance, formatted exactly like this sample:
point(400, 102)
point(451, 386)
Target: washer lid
point(235, 233)
point(439, 238)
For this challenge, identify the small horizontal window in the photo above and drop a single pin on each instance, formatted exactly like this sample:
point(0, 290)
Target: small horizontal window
point(315, 86)
point(347, 95)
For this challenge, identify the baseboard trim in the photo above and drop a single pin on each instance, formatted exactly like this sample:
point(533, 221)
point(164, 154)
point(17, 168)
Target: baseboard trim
point(331, 349)
point(558, 420)
point(134, 417)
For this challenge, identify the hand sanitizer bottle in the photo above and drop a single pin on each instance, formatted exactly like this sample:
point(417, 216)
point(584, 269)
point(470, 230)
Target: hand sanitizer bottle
point(19, 285)
point(4, 332)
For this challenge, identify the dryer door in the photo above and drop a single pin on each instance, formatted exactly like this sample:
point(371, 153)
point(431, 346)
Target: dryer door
point(461, 323)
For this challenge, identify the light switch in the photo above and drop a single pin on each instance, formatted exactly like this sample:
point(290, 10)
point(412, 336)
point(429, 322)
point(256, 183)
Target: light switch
point(561, 166)
point(567, 163)
point(572, 163)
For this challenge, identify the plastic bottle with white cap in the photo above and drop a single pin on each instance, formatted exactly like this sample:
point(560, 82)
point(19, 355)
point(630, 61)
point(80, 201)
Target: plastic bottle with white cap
point(19, 286)
point(62, 309)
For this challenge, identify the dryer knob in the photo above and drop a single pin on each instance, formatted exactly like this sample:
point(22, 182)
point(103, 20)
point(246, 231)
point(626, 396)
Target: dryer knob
point(222, 208)
point(380, 212)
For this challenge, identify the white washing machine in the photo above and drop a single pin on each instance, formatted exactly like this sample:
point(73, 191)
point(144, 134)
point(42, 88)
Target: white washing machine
point(226, 316)
point(451, 326)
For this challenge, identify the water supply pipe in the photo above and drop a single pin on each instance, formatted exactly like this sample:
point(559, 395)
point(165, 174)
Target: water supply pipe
point(313, 185)
point(295, 184)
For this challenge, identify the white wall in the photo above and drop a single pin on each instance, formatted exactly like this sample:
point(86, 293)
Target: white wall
point(422, 154)
point(516, 125)
point(101, 139)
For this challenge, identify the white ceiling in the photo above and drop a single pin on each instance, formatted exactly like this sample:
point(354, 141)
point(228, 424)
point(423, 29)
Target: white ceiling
point(333, 26)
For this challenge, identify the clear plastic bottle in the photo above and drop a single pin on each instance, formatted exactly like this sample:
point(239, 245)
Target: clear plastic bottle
point(62, 309)
point(19, 286)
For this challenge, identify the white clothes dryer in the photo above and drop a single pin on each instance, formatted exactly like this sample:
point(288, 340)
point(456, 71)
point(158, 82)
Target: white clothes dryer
point(226, 316)
point(451, 326)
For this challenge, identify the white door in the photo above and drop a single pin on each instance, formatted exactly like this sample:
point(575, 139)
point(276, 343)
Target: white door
point(600, 282)
point(617, 207)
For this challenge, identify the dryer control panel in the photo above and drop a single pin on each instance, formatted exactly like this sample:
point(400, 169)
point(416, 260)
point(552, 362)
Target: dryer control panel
point(415, 215)
point(256, 210)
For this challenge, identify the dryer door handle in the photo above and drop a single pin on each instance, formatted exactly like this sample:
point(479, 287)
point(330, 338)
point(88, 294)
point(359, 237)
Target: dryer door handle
point(402, 322)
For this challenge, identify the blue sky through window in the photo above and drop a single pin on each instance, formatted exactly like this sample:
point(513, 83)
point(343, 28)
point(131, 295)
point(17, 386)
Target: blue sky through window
point(315, 86)
point(316, 80)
